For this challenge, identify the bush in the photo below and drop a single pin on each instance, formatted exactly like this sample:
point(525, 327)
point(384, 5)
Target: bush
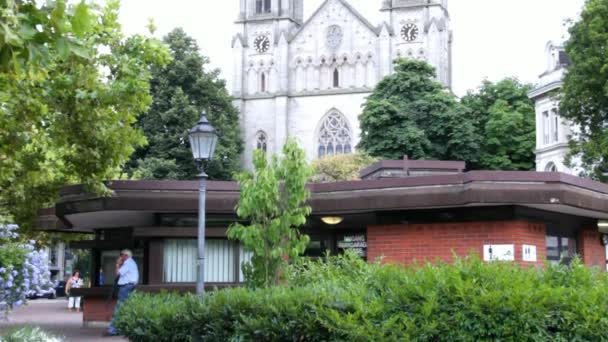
point(275, 314)
point(149, 317)
point(29, 334)
point(22, 268)
point(345, 299)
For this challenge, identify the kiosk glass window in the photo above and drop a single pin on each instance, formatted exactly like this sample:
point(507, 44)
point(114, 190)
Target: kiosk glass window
point(561, 247)
point(108, 265)
point(318, 246)
point(222, 259)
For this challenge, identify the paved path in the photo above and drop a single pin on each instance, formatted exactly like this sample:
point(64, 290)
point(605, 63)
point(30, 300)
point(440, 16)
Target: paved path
point(53, 316)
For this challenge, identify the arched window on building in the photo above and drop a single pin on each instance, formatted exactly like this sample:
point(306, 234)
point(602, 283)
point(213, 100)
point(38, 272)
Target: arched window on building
point(336, 78)
point(551, 167)
point(334, 136)
point(263, 83)
point(261, 142)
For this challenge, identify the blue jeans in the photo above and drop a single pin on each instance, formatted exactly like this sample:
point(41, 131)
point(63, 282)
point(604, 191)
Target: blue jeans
point(123, 293)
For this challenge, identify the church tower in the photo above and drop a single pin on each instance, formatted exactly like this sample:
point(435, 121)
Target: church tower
point(261, 70)
point(262, 30)
point(421, 30)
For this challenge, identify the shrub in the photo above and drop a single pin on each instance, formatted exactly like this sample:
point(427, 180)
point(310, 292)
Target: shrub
point(345, 299)
point(274, 314)
point(29, 334)
point(22, 268)
point(150, 317)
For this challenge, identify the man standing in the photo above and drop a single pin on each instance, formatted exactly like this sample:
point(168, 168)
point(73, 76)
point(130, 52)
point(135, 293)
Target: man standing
point(127, 276)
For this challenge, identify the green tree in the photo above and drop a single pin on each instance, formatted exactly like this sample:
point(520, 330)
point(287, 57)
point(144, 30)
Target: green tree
point(69, 96)
point(584, 99)
point(503, 117)
point(410, 113)
point(181, 90)
point(342, 167)
point(273, 200)
point(30, 34)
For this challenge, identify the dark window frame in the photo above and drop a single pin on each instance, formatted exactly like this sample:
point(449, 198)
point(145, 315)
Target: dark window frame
point(562, 235)
point(263, 6)
point(263, 82)
point(262, 141)
point(556, 125)
point(336, 78)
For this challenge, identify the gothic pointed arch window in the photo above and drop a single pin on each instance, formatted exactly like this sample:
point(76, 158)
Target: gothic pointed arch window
point(263, 86)
point(261, 141)
point(335, 136)
point(336, 78)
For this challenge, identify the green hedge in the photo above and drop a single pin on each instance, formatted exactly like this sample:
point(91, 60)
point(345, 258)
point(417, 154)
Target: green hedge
point(345, 299)
point(158, 317)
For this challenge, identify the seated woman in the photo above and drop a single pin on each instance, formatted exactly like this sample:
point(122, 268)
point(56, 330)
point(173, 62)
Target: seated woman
point(73, 283)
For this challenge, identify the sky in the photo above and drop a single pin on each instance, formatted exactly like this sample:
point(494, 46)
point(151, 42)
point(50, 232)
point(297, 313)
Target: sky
point(493, 39)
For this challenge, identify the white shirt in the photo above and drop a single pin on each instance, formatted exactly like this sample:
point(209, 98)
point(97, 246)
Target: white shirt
point(75, 283)
point(128, 272)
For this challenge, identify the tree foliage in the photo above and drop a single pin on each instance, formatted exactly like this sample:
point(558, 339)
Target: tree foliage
point(410, 113)
point(71, 88)
point(181, 90)
point(504, 121)
point(273, 200)
point(584, 100)
point(342, 167)
point(30, 34)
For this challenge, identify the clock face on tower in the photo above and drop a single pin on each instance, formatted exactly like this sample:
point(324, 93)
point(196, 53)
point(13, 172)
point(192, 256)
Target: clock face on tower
point(409, 32)
point(261, 44)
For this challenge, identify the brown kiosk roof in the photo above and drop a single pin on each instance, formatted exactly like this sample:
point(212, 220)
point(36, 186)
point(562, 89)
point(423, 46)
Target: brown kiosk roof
point(135, 202)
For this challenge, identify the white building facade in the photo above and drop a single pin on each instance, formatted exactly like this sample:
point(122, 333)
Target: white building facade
point(309, 79)
point(552, 131)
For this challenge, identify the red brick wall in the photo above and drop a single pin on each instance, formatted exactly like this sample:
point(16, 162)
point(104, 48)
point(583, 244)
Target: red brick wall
point(591, 249)
point(97, 309)
point(427, 242)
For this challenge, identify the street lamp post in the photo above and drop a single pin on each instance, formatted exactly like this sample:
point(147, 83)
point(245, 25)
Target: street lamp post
point(203, 139)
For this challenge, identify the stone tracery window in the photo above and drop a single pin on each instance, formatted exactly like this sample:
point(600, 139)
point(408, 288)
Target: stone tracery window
point(261, 141)
point(334, 136)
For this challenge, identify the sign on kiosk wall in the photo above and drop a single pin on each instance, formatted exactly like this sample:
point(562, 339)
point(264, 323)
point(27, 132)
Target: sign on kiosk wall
point(354, 242)
point(529, 253)
point(499, 252)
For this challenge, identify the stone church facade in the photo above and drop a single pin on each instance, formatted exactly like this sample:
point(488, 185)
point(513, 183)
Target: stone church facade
point(309, 79)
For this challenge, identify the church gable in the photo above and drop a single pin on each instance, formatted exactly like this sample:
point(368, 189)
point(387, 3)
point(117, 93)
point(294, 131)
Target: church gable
point(335, 49)
point(334, 13)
